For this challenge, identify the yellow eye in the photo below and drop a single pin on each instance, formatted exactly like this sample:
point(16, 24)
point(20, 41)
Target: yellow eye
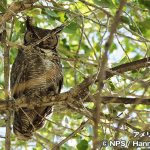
point(30, 35)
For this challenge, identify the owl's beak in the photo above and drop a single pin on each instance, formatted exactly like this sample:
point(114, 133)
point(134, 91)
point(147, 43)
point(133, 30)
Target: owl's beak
point(58, 29)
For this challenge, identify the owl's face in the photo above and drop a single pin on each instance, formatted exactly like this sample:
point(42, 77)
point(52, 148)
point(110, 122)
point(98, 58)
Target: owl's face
point(34, 34)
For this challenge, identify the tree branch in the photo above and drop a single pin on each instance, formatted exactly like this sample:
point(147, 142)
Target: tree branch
point(14, 8)
point(131, 66)
point(123, 100)
point(64, 99)
point(6, 89)
point(102, 72)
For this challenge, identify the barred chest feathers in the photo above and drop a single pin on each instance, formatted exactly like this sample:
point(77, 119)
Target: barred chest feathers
point(45, 71)
point(49, 58)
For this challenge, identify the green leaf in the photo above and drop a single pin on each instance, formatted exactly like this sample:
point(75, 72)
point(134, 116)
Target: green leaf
point(66, 0)
point(15, 37)
point(113, 47)
point(125, 20)
point(5, 2)
point(104, 3)
point(133, 28)
point(51, 13)
point(146, 3)
point(63, 148)
point(112, 85)
point(83, 145)
point(120, 107)
point(34, 12)
point(62, 16)
point(71, 28)
point(2, 9)
point(115, 2)
point(145, 25)
point(3, 5)
point(19, 26)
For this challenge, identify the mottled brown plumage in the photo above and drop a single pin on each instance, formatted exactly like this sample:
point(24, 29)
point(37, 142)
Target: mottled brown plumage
point(36, 72)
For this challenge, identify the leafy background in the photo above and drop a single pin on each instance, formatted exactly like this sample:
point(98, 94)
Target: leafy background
point(81, 45)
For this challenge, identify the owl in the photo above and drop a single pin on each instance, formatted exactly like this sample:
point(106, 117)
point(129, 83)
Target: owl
point(36, 72)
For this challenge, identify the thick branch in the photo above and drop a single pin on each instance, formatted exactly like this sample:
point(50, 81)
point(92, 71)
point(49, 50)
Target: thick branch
point(123, 100)
point(135, 65)
point(14, 8)
point(43, 101)
point(6, 90)
point(64, 99)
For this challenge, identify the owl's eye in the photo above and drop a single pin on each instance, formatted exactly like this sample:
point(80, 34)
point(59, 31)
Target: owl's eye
point(30, 35)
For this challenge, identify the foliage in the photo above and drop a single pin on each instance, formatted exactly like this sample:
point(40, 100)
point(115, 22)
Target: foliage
point(81, 46)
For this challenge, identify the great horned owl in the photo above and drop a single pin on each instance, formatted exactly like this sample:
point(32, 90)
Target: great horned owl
point(36, 72)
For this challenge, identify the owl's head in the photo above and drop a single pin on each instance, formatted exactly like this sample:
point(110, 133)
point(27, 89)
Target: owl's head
point(34, 34)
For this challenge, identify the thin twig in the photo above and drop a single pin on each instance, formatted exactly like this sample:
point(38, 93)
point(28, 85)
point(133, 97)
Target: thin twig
point(95, 6)
point(83, 124)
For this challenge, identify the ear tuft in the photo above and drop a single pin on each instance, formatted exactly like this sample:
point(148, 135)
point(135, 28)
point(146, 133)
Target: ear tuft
point(29, 23)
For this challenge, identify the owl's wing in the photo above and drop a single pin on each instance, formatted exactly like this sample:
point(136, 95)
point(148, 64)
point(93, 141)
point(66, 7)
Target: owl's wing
point(18, 75)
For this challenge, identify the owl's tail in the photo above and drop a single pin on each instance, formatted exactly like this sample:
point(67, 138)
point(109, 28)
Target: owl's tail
point(27, 121)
